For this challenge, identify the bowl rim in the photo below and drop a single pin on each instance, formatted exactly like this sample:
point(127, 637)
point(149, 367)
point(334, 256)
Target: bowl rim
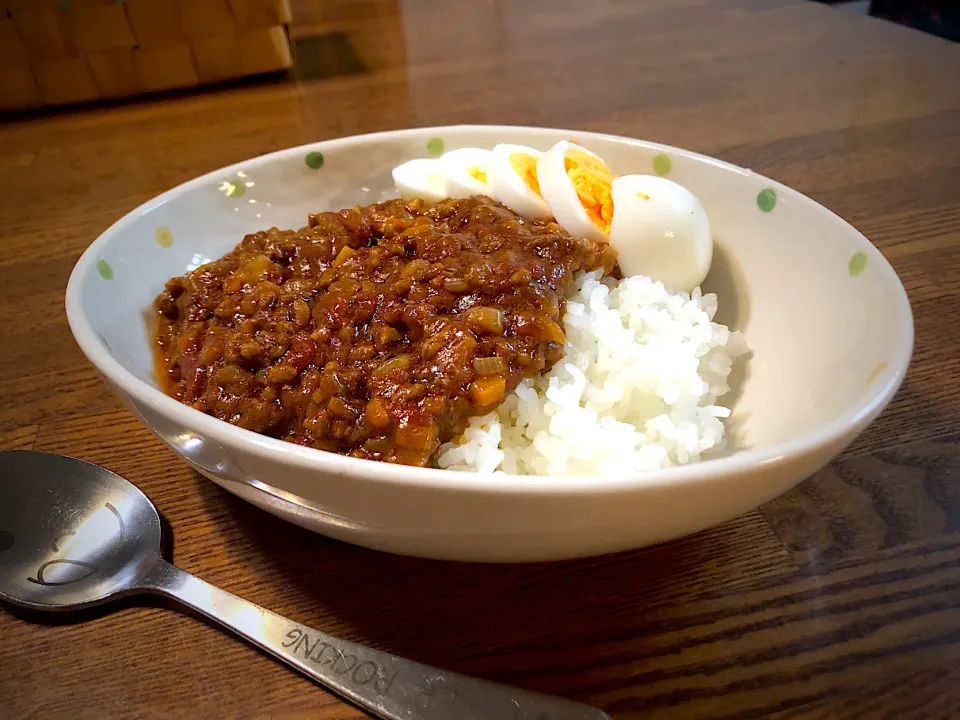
point(836, 432)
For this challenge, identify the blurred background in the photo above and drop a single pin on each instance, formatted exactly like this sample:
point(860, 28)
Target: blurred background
point(60, 52)
point(937, 17)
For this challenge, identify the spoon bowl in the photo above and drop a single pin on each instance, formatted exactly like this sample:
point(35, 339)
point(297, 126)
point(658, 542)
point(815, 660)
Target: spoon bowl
point(73, 535)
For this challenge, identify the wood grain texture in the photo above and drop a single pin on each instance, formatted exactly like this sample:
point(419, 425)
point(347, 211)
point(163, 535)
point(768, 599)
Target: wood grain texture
point(838, 599)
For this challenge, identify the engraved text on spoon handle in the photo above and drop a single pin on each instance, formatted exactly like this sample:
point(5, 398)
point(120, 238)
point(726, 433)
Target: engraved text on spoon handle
point(384, 684)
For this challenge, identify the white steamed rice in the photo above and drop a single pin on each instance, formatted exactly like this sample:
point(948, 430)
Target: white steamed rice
point(636, 389)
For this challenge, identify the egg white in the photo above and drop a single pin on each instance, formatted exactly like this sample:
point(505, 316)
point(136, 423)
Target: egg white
point(560, 194)
point(423, 178)
point(457, 166)
point(661, 230)
point(510, 188)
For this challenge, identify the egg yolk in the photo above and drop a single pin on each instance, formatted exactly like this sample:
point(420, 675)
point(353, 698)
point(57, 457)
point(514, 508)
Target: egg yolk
point(526, 167)
point(477, 174)
point(592, 182)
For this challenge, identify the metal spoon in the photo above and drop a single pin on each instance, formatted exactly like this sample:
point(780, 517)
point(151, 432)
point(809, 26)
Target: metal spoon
point(73, 535)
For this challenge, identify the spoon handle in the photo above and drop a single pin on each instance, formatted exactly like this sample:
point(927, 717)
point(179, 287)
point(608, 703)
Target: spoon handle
point(384, 684)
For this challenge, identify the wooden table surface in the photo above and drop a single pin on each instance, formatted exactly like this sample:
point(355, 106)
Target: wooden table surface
point(839, 599)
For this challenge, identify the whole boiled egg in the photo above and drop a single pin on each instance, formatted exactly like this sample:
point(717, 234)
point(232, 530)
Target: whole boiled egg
point(467, 171)
point(576, 185)
point(424, 178)
point(513, 179)
point(661, 230)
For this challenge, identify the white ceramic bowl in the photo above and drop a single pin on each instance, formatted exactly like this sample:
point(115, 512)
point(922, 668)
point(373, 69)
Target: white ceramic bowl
point(826, 317)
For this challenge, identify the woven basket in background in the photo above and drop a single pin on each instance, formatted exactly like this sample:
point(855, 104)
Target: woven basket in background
point(54, 52)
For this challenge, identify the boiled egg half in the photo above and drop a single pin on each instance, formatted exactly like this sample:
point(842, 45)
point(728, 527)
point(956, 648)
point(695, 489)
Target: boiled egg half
point(467, 171)
point(661, 230)
point(513, 178)
point(576, 185)
point(423, 178)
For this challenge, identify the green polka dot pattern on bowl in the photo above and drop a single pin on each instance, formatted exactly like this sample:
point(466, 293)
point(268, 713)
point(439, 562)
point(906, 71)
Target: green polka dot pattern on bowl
point(857, 264)
point(766, 199)
point(314, 160)
point(233, 188)
point(103, 267)
point(164, 237)
point(435, 146)
point(662, 164)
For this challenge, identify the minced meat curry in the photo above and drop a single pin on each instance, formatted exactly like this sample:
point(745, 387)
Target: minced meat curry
point(375, 332)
